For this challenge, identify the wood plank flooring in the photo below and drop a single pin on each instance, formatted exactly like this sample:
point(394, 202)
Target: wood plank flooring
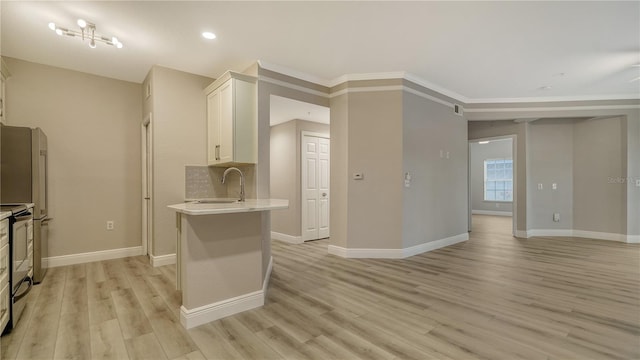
point(492, 297)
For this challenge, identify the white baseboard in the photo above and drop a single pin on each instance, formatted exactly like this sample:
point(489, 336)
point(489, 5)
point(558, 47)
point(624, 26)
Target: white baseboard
point(434, 245)
point(396, 253)
point(489, 212)
point(286, 238)
point(632, 239)
point(162, 260)
point(522, 234)
point(82, 258)
point(212, 312)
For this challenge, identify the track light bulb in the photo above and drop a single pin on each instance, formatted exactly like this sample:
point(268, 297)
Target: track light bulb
point(59, 31)
point(82, 23)
point(119, 45)
point(52, 26)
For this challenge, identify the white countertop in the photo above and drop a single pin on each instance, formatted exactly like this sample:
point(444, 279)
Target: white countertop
point(4, 214)
point(192, 208)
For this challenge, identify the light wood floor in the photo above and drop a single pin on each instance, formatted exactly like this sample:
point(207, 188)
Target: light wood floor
point(492, 297)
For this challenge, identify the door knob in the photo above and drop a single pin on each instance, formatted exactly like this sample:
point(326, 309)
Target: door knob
point(324, 194)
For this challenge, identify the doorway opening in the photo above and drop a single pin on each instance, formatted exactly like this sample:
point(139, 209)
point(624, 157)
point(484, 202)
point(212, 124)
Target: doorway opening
point(493, 185)
point(147, 185)
point(300, 163)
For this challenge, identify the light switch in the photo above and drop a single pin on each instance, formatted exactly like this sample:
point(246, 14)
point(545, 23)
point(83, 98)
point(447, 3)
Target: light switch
point(556, 217)
point(554, 186)
point(540, 186)
point(358, 176)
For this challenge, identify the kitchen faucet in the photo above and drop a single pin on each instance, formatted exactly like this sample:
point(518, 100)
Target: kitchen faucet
point(224, 176)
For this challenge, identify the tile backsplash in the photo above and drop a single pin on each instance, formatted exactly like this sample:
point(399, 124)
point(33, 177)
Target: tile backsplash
point(203, 182)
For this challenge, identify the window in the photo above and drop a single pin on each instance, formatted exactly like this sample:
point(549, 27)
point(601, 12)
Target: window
point(498, 180)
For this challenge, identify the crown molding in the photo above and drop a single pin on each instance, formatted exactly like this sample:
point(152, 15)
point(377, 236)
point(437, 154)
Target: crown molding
point(435, 87)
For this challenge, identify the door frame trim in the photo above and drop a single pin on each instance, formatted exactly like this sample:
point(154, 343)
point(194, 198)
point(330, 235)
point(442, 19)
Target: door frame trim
point(147, 229)
point(304, 133)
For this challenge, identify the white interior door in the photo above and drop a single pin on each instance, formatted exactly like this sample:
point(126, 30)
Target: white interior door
point(315, 187)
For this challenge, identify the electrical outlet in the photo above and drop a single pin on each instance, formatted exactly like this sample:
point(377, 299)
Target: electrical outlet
point(556, 217)
point(540, 186)
point(554, 186)
point(110, 225)
point(638, 182)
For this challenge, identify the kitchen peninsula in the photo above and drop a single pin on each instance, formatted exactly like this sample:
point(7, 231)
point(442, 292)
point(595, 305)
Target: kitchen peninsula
point(224, 257)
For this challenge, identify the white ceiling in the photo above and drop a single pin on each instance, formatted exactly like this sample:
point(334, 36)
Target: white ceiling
point(284, 109)
point(478, 51)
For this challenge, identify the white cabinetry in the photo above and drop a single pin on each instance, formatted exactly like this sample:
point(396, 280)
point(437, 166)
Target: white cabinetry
point(232, 121)
point(4, 273)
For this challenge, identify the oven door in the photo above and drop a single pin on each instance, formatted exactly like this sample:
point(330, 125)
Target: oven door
point(20, 262)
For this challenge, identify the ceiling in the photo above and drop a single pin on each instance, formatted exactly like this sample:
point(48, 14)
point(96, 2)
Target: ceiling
point(476, 51)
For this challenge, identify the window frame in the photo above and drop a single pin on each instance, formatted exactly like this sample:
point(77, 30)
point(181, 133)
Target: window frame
point(504, 179)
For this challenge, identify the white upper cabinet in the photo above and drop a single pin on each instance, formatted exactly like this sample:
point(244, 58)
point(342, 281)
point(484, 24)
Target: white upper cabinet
point(232, 121)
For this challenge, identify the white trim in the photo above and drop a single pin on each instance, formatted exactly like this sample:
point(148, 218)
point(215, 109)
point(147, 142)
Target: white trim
point(391, 88)
point(434, 245)
point(553, 99)
point(559, 108)
point(396, 253)
point(286, 238)
point(293, 87)
point(489, 212)
point(632, 239)
point(218, 310)
point(523, 234)
point(431, 86)
point(82, 258)
point(293, 73)
point(162, 260)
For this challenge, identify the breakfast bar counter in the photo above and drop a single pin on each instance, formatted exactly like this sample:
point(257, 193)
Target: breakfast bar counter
point(224, 257)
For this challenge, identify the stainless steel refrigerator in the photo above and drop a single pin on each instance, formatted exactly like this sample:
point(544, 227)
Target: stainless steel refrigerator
point(23, 179)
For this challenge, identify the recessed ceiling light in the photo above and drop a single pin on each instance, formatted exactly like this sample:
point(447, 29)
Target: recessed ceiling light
point(483, 142)
point(208, 35)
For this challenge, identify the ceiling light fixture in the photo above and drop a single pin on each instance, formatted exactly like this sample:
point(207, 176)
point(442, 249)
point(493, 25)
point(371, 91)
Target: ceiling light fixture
point(208, 35)
point(87, 32)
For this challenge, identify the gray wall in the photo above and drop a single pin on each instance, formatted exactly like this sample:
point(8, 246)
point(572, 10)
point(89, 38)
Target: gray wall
point(550, 160)
point(435, 206)
point(286, 172)
point(178, 104)
point(93, 128)
point(496, 149)
point(599, 187)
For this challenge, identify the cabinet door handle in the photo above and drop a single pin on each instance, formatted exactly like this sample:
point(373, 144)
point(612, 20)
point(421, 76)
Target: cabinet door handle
point(217, 152)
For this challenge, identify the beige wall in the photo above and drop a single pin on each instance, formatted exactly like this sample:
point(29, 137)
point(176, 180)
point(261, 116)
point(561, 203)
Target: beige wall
point(632, 127)
point(339, 174)
point(599, 182)
point(375, 149)
point(178, 104)
point(285, 172)
point(501, 149)
point(435, 206)
point(93, 129)
point(551, 159)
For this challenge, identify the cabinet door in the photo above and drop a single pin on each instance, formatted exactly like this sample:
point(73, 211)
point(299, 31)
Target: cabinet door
point(226, 141)
point(213, 128)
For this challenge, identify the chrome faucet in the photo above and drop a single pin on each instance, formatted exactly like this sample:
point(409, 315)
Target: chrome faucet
point(224, 176)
